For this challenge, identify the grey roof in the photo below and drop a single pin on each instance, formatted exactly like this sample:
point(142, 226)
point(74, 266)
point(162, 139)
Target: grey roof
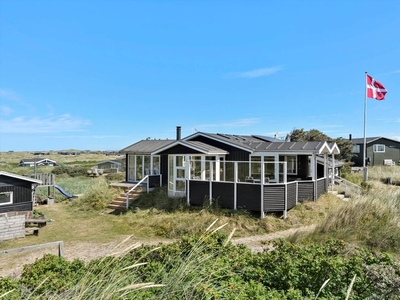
point(4, 173)
point(195, 145)
point(259, 143)
point(26, 160)
point(371, 139)
point(117, 161)
point(267, 138)
point(241, 141)
point(295, 147)
point(146, 146)
point(250, 143)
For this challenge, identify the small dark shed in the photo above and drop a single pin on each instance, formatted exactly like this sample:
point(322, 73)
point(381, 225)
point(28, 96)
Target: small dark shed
point(17, 193)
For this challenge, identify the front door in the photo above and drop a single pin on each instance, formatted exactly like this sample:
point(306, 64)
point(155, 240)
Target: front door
point(177, 175)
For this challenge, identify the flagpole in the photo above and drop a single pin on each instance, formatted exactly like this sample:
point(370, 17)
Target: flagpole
point(365, 169)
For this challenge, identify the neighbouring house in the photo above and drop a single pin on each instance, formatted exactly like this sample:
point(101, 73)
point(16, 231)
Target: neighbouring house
point(380, 150)
point(17, 193)
point(254, 172)
point(30, 162)
point(115, 165)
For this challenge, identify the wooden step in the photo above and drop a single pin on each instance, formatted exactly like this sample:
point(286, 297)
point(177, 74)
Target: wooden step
point(119, 203)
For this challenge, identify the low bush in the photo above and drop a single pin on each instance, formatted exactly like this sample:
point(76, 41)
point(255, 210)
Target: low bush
point(208, 266)
point(69, 170)
point(97, 197)
point(115, 177)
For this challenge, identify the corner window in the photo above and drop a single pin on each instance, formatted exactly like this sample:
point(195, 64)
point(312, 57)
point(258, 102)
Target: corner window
point(291, 161)
point(6, 198)
point(356, 149)
point(379, 148)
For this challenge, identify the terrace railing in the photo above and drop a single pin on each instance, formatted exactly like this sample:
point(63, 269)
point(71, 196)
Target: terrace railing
point(349, 188)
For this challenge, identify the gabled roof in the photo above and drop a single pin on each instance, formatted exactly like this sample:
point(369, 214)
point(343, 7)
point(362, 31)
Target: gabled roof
point(37, 160)
point(249, 143)
point(146, 146)
point(371, 140)
point(244, 142)
point(295, 147)
point(115, 161)
point(334, 148)
point(195, 145)
point(20, 177)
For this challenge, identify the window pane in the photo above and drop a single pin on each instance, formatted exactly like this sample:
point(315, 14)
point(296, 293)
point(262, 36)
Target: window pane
point(256, 167)
point(180, 185)
point(180, 173)
point(5, 198)
point(156, 165)
point(171, 172)
point(139, 167)
point(356, 149)
point(180, 161)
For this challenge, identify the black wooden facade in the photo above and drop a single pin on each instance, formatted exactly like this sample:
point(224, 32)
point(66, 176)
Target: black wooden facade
point(375, 158)
point(280, 197)
point(22, 192)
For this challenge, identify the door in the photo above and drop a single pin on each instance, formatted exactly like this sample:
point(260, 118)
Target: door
point(177, 174)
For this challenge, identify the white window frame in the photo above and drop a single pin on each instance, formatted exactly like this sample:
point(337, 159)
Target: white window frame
point(376, 148)
point(10, 196)
point(287, 164)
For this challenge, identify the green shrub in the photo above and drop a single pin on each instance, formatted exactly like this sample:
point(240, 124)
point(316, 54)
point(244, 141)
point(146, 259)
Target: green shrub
point(51, 274)
point(11, 288)
point(69, 170)
point(115, 177)
point(97, 197)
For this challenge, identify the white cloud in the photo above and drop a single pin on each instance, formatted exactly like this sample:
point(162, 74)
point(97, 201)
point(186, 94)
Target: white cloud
point(236, 123)
point(259, 72)
point(35, 125)
point(9, 95)
point(5, 110)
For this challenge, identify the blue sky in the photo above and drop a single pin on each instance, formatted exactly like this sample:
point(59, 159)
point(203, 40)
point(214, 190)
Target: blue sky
point(101, 75)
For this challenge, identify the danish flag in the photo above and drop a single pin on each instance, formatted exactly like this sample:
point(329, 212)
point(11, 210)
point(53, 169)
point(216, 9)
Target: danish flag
point(375, 89)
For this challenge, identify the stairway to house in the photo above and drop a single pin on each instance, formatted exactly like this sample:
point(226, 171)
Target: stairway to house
point(346, 188)
point(119, 203)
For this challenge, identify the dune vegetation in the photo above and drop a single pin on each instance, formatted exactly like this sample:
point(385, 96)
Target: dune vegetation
point(351, 254)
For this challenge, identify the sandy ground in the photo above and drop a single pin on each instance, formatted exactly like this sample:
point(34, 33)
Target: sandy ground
point(12, 264)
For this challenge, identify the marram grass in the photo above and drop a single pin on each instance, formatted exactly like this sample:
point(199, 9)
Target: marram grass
point(373, 221)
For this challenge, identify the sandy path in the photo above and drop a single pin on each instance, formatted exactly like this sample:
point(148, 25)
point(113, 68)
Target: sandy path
point(12, 264)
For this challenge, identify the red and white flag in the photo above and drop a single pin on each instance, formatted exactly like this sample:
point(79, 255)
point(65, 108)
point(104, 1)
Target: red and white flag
point(375, 89)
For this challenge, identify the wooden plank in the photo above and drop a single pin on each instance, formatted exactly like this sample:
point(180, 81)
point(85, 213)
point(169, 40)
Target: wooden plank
point(60, 245)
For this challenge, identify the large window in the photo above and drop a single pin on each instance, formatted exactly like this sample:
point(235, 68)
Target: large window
point(356, 149)
point(379, 148)
point(6, 198)
point(141, 165)
point(291, 161)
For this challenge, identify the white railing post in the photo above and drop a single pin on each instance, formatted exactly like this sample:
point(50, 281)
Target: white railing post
point(134, 187)
point(235, 179)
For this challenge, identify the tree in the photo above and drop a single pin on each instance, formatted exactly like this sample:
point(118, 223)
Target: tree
point(314, 135)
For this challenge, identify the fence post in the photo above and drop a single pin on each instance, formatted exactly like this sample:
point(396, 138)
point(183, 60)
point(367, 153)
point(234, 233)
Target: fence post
point(61, 249)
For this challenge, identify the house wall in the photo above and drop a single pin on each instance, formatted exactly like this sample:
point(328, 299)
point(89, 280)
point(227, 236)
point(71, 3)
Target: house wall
point(164, 169)
point(22, 194)
point(12, 227)
point(392, 151)
point(302, 166)
point(235, 154)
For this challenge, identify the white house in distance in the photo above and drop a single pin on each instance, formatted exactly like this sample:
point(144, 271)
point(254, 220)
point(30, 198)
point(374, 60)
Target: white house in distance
point(30, 162)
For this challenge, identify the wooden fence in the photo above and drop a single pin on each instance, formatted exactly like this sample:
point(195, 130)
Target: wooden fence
point(59, 244)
